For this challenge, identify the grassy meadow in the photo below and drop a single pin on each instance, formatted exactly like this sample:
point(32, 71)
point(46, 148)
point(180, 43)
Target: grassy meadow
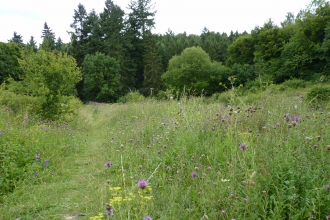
point(266, 156)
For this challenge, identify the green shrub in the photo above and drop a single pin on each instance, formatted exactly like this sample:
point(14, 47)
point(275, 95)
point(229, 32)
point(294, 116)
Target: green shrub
point(20, 103)
point(318, 96)
point(131, 97)
point(295, 83)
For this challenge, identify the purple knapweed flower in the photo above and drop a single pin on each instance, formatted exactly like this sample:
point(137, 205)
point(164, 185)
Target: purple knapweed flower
point(208, 168)
point(46, 162)
point(17, 218)
point(108, 164)
point(194, 174)
point(244, 199)
point(296, 118)
point(243, 146)
point(287, 118)
point(142, 184)
point(147, 218)
point(223, 212)
point(168, 167)
point(327, 187)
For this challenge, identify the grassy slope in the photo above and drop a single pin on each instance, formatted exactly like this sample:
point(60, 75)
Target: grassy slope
point(165, 142)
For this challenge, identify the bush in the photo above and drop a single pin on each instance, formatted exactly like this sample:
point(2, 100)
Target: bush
point(131, 97)
point(295, 83)
point(318, 96)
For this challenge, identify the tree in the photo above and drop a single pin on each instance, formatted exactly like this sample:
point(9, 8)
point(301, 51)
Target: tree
point(192, 70)
point(49, 76)
point(116, 43)
point(17, 38)
point(241, 51)
point(48, 42)
point(32, 45)
point(140, 20)
point(152, 82)
point(101, 78)
point(9, 66)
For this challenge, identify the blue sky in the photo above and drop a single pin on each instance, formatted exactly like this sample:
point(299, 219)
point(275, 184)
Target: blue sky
point(27, 17)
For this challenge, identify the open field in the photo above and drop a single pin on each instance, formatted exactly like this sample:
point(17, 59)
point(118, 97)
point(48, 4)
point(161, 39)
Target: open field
point(266, 157)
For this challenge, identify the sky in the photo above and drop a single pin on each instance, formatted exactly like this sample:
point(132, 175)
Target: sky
point(27, 17)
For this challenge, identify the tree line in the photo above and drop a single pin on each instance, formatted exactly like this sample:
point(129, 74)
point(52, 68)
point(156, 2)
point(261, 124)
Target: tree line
point(116, 52)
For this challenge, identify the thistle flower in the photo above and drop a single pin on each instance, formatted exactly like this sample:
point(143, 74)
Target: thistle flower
point(147, 218)
point(194, 174)
point(46, 162)
point(287, 117)
point(243, 146)
point(142, 184)
point(296, 118)
point(108, 164)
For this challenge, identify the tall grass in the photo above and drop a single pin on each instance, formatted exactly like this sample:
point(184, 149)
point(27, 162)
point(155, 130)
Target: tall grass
point(263, 158)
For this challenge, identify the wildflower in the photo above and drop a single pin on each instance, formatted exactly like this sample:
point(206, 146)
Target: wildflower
point(296, 118)
point(147, 218)
point(287, 117)
point(243, 146)
point(223, 212)
point(108, 164)
point(209, 168)
point(168, 167)
point(244, 182)
point(327, 187)
point(315, 145)
point(232, 195)
point(264, 192)
point(46, 162)
point(142, 184)
point(109, 210)
point(194, 174)
point(38, 157)
point(26, 117)
point(244, 199)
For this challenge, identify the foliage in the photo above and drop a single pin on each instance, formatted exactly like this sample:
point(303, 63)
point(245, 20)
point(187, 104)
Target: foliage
point(17, 38)
point(241, 51)
point(131, 97)
point(9, 66)
point(319, 96)
point(101, 78)
point(152, 82)
point(48, 76)
point(192, 70)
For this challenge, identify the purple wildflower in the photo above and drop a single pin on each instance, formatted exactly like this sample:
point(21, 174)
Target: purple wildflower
point(194, 174)
point(38, 157)
point(296, 118)
point(287, 118)
point(142, 184)
point(243, 146)
point(147, 218)
point(244, 199)
point(26, 117)
point(108, 164)
point(109, 210)
point(327, 187)
point(46, 162)
point(168, 167)
point(223, 212)
point(209, 168)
